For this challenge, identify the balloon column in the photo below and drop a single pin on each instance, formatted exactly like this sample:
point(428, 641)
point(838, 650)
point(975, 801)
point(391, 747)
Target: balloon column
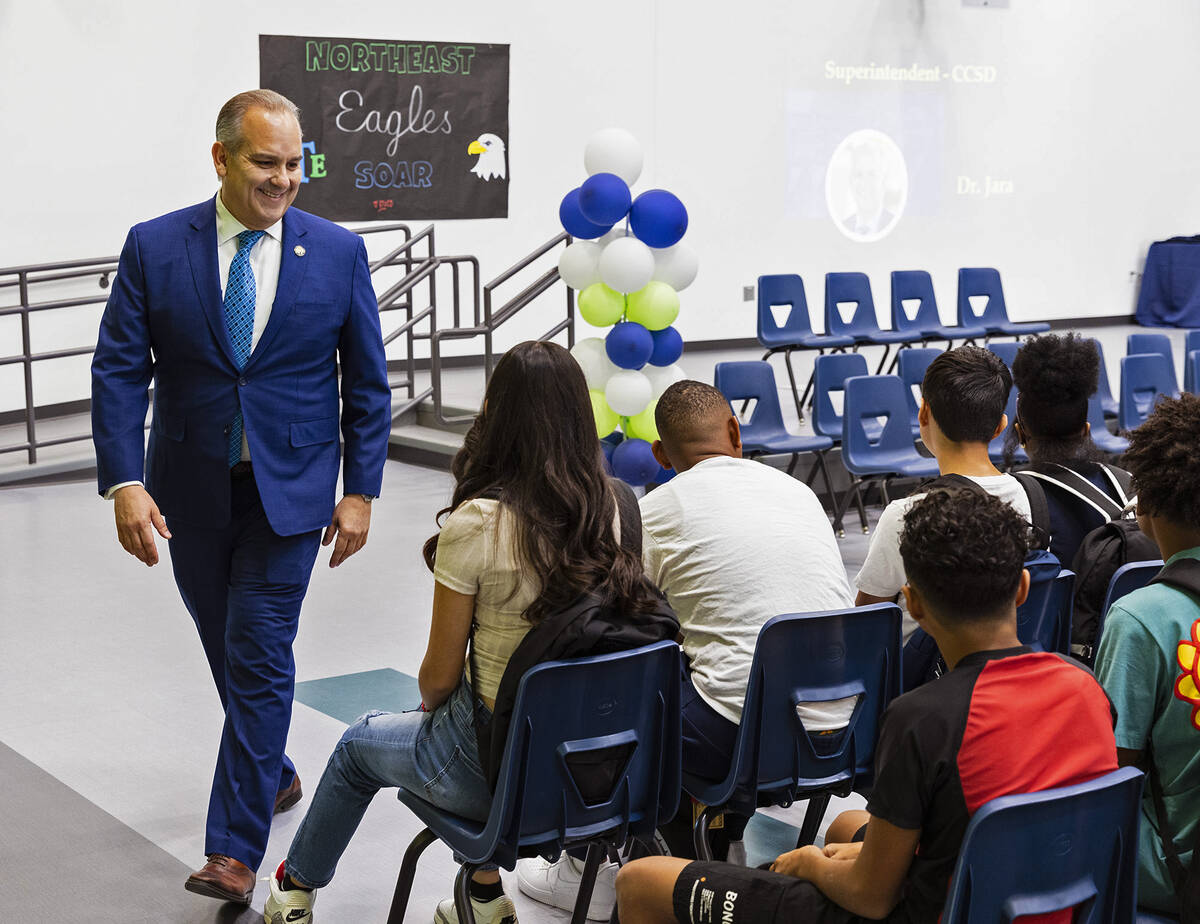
point(628, 267)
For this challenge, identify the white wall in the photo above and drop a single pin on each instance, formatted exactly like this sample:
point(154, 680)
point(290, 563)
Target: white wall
point(107, 118)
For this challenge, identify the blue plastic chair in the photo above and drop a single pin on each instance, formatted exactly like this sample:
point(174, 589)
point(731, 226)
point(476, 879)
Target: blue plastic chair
point(1100, 434)
point(910, 366)
point(926, 323)
point(796, 333)
point(1144, 377)
point(764, 434)
point(1006, 351)
point(1071, 847)
point(807, 658)
point(829, 375)
point(879, 458)
point(1107, 402)
point(1191, 372)
point(620, 708)
point(863, 325)
point(1153, 343)
point(994, 317)
point(1125, 580)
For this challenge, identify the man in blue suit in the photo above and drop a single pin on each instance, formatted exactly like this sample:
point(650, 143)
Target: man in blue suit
point(240, 310)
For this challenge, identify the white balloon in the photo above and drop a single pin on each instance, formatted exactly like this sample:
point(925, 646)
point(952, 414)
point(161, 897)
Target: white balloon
point(616, 234)
point(613, 150)
point(676, 266)
point(626, 265)
point(628, 392)
point(593, 360)
point(578, 264)
point(662, 377)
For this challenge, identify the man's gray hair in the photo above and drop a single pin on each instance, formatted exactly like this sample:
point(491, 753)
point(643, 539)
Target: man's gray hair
point(229, 119)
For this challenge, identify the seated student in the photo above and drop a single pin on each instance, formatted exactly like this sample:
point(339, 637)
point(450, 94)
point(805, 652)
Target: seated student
point(510, 553)
point(731, 543)
point(1054, 376)
point(963, 396)
point(1148, 661)
point(944, 749)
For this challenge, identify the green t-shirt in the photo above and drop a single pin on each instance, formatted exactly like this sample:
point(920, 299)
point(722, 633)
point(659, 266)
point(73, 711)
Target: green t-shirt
point(1149, 667)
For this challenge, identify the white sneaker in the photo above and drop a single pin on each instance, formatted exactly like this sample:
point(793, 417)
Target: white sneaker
point(293, 906)
point(497, 911)
point(557, 884)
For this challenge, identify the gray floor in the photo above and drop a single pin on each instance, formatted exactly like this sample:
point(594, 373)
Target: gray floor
point(109, 720)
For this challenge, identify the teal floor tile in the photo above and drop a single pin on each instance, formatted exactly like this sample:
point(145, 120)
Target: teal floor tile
point(348, 696)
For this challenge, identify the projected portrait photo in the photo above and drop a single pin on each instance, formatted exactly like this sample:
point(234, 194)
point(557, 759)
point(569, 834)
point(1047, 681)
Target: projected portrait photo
point(866, 185)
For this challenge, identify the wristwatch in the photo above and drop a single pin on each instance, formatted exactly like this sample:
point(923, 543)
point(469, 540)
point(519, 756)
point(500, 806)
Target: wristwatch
point(368, 497)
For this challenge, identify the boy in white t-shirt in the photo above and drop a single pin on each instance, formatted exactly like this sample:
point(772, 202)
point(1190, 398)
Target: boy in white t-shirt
point(732, 543)
point(963, 396)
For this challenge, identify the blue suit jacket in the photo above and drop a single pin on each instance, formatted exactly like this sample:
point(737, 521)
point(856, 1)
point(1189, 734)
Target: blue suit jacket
point(164, 323)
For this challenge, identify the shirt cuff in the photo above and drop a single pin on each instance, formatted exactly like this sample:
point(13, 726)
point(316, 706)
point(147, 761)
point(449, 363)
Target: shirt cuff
point(108, 495)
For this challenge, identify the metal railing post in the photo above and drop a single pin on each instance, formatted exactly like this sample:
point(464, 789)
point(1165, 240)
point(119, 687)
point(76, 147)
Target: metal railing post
point(27, 353)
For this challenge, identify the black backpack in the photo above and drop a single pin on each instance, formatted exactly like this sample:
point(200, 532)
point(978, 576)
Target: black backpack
point(588, 626)
point(1102, 551)
point(1182, 574)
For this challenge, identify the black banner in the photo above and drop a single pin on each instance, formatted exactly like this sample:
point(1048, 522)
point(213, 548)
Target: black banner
point(396, 130)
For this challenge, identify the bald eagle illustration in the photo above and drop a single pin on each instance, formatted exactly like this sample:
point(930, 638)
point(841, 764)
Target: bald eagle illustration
point(490, 149)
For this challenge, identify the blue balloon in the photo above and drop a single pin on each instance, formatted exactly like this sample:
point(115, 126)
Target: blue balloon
point(606, 450)
point(629, 345)
point(574, 222)
point(664, 475)
point(604, 199)
point(658, 218)
point(633, 462)
point(668, 347)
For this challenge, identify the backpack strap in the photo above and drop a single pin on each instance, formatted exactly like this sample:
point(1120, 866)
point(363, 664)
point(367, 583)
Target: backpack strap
point(1077, 486)
point(950, 482)
point(1121, 480)
point(1182, 574)
point(1175, 866)
point(1039, 510)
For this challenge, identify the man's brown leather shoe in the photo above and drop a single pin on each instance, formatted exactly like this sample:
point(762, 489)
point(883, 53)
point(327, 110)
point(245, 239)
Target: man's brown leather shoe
point(286, 798)
point(224, 878)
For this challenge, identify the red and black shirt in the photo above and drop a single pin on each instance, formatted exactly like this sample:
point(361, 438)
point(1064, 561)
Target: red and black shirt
point(1001, 722)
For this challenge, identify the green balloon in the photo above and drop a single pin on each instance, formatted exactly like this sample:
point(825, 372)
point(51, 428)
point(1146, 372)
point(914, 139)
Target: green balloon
point(606, 417)
point(654, 307)
point(642, 426)
point(601, 306)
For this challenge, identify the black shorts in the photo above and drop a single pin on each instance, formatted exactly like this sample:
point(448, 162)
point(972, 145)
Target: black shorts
point(720, 893)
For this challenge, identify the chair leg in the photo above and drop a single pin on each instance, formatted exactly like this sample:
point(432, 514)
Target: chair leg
point(462, 894)
point(862, 511)
point(813, 816)
point(791, 469)
point(408, 870)
point(820, 463)
point(887, 350)
point(587, 883)
point(700, 835)
point(787, 361)
point(842, 505)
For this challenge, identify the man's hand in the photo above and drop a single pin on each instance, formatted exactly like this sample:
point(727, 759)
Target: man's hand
point(799, 863)
point(138, 519)
point(351, 520)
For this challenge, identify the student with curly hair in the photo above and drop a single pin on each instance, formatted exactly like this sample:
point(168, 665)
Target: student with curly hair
point(532, 525)
point(944, 749)
point(1054, 376)
point(1148, 661)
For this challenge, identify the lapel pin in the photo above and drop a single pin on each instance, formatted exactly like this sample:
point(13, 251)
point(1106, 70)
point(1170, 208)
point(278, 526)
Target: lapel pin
point(298, 250)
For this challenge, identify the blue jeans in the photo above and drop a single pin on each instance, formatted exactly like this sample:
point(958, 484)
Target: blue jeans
point(432, 754)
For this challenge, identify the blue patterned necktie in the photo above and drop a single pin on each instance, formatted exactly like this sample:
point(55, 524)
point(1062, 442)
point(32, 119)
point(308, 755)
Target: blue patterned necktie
point(239, 321)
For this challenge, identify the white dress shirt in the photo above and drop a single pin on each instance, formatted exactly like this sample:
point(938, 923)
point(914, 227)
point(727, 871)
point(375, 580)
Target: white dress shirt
point(264, 261)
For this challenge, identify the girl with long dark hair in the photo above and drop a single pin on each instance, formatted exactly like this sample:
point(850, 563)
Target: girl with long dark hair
point(531, 526)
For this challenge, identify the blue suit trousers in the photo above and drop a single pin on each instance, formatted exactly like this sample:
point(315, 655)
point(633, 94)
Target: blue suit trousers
point(243, 585)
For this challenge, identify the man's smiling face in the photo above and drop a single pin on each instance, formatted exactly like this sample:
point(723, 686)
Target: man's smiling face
point(260, 179)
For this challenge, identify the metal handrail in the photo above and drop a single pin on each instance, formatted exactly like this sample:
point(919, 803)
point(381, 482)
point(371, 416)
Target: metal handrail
point(420, 268)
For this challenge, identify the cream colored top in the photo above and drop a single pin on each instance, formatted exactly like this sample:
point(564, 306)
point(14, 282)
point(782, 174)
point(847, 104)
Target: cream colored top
point(476, 556)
